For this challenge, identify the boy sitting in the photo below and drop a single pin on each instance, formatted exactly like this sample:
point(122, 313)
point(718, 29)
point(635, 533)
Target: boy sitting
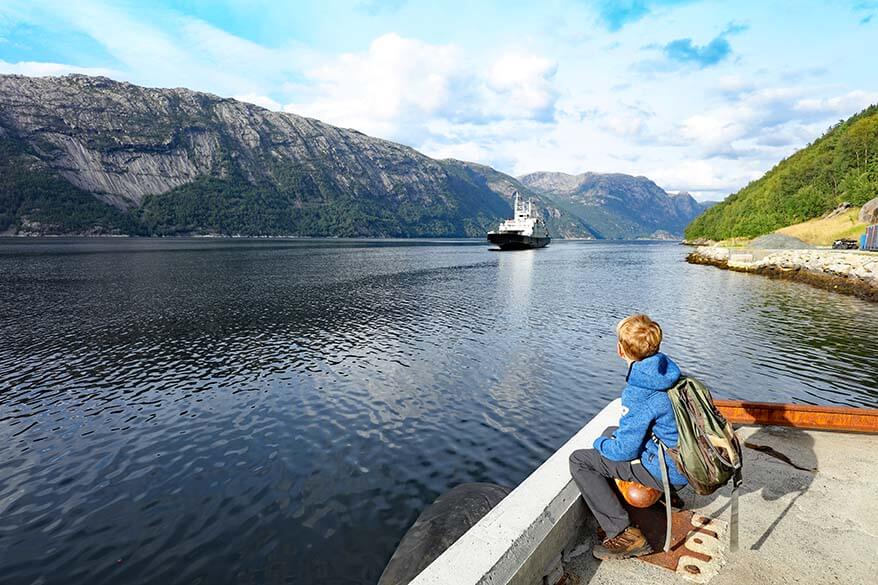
point(630, 454)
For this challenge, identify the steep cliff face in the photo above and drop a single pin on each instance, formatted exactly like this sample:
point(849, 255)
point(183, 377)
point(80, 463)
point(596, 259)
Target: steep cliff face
point(124, 142)
point(617, 205)
point(179, 161)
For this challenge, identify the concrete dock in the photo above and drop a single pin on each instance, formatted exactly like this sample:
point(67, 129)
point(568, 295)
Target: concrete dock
point(844, 271)
point(812, 519)
point(808, 514)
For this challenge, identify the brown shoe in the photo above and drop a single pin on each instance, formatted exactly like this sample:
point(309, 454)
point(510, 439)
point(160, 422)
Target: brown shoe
point(629, 543)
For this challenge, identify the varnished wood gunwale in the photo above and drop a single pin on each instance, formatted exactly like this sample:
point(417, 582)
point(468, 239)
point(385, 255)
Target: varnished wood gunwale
point(801, 416)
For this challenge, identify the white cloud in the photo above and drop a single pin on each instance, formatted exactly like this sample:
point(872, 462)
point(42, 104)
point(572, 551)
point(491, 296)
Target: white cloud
point(841, 105)
point(624, 124)
point(40, 69)
point(706, 179)
point(260, 100)
point(523, 86)
point(397, 81)
point(399, 88)
point(717, 129)
point(734, 84)
point(469, 151)
point(768, 120)
point(625, 121)
point(169, 49)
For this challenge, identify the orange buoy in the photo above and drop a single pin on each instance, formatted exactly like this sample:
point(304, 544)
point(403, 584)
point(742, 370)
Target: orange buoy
point(637, 494)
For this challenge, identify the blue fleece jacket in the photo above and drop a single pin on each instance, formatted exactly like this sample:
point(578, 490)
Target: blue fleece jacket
point(646, 409)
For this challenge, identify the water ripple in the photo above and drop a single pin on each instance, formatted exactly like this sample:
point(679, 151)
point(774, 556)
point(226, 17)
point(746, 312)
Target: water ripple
point(252, 412)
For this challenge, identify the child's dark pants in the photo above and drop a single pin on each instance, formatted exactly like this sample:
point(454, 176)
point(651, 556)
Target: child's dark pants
point(594, 474)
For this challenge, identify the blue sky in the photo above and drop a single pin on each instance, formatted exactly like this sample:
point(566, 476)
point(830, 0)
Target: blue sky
point(701, 96)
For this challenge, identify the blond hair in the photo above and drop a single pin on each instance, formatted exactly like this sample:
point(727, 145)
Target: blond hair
point(639, 336)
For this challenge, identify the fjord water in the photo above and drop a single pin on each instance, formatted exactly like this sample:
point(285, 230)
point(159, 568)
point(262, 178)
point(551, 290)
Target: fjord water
point(219, 411)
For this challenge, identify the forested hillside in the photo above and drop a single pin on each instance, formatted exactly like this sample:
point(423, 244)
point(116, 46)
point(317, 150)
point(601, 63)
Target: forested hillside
point(841, 165)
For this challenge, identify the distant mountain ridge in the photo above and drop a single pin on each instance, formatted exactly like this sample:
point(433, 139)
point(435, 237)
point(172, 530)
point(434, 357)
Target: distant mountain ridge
point(840, 166)
point(93, 156)
point(615, 205)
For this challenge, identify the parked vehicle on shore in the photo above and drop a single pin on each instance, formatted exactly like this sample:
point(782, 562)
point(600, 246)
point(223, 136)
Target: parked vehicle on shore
point(845, 244)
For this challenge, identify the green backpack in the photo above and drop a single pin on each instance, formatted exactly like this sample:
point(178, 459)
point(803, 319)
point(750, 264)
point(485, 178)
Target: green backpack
point(708, 453)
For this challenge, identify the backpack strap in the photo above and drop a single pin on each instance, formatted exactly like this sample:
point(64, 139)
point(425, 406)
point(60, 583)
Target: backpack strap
point(733, 511)
point(666, 487)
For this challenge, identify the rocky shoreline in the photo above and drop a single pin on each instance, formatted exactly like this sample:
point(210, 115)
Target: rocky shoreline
point(853, 273)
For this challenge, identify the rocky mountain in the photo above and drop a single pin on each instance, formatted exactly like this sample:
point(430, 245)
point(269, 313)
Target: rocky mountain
point(615, 205)
point(561, 223)
point(90, 155)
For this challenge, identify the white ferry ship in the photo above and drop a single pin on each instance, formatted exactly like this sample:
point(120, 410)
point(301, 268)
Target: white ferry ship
point(524, 231)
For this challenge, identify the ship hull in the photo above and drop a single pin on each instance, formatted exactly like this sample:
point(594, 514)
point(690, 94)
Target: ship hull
point(518, 241)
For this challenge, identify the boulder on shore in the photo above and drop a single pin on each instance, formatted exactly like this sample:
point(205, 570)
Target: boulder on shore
point(778, 242)
point(869, 212)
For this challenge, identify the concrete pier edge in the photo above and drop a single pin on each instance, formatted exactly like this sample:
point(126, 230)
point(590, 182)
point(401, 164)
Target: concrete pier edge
point(852, 273)
point(522, 539)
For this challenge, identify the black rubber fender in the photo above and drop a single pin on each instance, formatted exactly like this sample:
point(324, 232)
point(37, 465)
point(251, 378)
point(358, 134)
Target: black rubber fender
point(438, 527)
